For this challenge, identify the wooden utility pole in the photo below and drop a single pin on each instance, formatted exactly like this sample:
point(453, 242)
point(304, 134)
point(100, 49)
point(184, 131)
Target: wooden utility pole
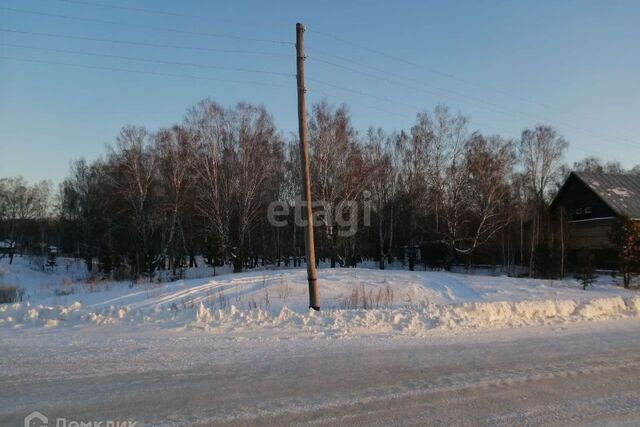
point(314, 298)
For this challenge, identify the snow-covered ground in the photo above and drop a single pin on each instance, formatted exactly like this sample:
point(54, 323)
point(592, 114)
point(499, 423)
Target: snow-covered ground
point(389, 348)
point(274, 302)
point(578, 374)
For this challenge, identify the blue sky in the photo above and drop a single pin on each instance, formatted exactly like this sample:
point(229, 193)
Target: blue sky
point(507, 64)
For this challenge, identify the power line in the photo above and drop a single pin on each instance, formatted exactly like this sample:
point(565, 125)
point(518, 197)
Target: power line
point(148, 27)
point(399, 81)
point(359, 104)
point(383, 54)
point(358, 92)
point(130, 8)
point(483, 125)
point(447, 75)
point(478, 102)
point(264, 23)
point(348, 101)
point(475, 101)
point(476, 124)
point(157, 11)
point(145, 44)
point(429, 69)
point(186, 76)
point(326, 34)
point(154, 73)
point(386, 100)
point(154, 61)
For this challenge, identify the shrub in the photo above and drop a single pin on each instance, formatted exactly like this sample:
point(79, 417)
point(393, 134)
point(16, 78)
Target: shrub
point(436, 255)
point(284, 290)
point(360, 298)
point(10, 294)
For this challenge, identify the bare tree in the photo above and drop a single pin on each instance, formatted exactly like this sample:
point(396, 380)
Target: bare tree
point(416, 151)
point(210, 131)
point(20, 204)
point(379, 160)
point(203, 188)
point(541, 150)
point(449, 175)
point(135, 179)
point(489, 164)
point(238, 154)
point(594, 164)
point(289, 191)
point(337, 172)
point(173, 150)
point(258, 162)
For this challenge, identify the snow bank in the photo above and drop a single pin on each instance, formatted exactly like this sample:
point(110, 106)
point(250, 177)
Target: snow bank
point(407, 320)
point(354, 301)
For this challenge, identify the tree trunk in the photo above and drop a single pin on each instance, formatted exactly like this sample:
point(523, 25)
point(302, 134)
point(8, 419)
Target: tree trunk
point(534, 226)
point(381, 241)
point(561, 243)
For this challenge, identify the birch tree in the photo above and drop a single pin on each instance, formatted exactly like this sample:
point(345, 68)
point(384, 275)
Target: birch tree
point(134, 178)
point(541, 151)
point(379, 159)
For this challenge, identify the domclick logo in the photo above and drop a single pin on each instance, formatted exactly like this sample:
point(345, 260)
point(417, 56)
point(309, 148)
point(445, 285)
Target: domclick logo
point(36, 419)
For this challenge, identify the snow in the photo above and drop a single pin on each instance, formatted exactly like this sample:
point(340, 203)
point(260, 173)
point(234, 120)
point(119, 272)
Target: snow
point(620, 191)
point(431, 348)
point(7, 244)
point(582, 373)
point(274, 302)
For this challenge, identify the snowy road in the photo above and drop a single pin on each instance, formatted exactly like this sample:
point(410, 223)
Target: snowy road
point(578, 374)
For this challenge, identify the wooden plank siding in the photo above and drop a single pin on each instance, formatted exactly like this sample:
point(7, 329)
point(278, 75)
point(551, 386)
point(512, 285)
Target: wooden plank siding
point(592, 234)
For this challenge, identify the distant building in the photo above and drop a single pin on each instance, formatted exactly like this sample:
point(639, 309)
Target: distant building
point(592, 203)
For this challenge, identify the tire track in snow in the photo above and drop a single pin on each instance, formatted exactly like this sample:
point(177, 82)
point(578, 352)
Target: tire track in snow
point(445, 385)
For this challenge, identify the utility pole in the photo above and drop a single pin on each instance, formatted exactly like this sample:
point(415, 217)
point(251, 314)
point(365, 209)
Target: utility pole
point(314, 298)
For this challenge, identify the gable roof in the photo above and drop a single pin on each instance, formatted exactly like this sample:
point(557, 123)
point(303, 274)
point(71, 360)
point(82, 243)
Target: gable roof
point(621, 192)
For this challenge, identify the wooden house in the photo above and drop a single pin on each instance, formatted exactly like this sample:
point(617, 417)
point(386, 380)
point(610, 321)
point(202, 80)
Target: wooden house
point(591, 204)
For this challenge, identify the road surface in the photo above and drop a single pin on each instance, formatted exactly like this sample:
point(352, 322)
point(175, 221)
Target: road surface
point(577, 374)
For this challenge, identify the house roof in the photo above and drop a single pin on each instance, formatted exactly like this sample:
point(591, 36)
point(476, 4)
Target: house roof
point(621, 192)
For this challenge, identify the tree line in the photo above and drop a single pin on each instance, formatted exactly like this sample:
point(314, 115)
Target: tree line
point(435, 195)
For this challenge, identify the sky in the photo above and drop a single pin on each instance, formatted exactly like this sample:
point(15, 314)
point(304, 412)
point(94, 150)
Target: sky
point(508, 65)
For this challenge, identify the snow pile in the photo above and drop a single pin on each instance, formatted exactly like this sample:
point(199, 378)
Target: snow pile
point(353, 300)
point(407, 320)
point(522, 313)
point(416, 321)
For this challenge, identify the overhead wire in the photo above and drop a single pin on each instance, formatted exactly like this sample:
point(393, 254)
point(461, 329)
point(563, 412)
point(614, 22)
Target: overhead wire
point(322, 33)
point(443, 74)
point(162, 12)
point(154, 73)
point(147, 27)
point(145, 44)
point(154, 61)
point(396, 78)
point(493, 107)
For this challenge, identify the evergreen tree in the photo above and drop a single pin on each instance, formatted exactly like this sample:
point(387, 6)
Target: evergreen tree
point(585, 273)
point(626, 237)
